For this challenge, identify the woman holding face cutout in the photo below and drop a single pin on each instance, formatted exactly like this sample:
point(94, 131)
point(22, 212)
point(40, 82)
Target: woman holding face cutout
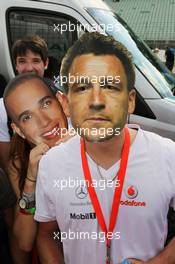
point(37, 120)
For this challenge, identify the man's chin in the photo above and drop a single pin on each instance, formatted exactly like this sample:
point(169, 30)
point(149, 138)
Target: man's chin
point(97, 139)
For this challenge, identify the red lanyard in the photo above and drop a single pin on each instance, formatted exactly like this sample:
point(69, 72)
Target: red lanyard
point(117, 194)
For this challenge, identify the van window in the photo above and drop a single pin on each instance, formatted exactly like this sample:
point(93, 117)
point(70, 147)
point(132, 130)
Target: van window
point(147, 63)
point(27, 22)
point(142, 108)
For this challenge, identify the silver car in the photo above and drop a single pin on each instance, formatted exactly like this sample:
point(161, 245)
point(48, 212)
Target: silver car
point(155, 106)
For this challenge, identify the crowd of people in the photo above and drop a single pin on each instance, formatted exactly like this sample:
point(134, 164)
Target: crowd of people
point(166, 56)
point(51, 197)
point(169, 56)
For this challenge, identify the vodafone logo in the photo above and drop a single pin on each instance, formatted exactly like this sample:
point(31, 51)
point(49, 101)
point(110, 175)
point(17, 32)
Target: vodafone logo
point(131, 191)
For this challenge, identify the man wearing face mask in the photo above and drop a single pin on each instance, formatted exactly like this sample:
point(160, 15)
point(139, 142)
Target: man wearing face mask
point(137, 167)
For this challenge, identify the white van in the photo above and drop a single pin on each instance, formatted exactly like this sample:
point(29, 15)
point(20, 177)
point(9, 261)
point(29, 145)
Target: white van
point(61, 22)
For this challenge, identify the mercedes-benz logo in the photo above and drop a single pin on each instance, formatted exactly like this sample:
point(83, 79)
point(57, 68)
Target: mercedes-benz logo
point(81, 192)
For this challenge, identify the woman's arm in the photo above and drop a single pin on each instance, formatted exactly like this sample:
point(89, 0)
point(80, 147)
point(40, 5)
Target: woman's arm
point(50, 249)
point(25, 227)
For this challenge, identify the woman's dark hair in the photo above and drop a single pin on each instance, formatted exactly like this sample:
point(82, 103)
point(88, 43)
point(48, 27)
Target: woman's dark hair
point(19, 158)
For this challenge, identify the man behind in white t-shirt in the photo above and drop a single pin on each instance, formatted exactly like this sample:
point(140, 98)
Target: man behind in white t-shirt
point(4, 137)
point(110, 188)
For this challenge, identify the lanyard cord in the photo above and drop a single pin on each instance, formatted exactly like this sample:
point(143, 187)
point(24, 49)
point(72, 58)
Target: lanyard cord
point(118, 190)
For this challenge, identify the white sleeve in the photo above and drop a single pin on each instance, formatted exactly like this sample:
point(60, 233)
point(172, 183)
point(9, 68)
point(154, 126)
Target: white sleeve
point(4, 134)
point(45, 209)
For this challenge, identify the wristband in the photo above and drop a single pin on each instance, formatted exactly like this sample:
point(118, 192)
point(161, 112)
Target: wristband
point(30, 211)
point(24, 212)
